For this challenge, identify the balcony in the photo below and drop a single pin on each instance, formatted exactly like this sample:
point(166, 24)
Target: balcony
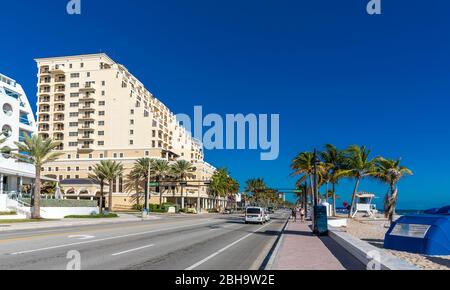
point(88, 87)
point(45, 81)
point(87, 108)
point(87, 128)
point(61, 79)
point(44, 70)
point(58, 137)
point(86, 117)
point(60, 99)
point(44, 129)
point(59, 109)
point(86, 137)
point(44, 100)
point(59, 128)
point(85, 148)
point(44, 109)
point(57, 69)
point(60, 89)
point(88, 97)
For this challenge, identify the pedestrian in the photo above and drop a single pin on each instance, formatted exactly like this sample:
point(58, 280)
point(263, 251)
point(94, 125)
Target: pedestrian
point(302, 215)
point(294, 215)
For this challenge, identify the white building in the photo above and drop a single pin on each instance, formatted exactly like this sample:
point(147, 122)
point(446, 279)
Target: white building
point(16, 120)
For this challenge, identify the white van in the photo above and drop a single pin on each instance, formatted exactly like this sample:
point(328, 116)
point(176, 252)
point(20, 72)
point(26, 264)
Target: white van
point(255, 215)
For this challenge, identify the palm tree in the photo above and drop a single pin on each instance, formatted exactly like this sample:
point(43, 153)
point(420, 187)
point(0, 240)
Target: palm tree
point(391, 172)
point(135, 183)
point(112, 170)
point(182, 170)
point(99, 174)
point(303, 165)
point(141, 171)
point(37, 151)
point(334, 158)
point(257, 187)
point(359, 166)
point(161, 170)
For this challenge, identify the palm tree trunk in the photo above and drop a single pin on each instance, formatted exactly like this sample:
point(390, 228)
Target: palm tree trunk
point(311, 188)
point(146, 194)
point(102, 185)
point(110, 195)
point(355, 191)
point(182, 197)
point(36, 202)
point(334, 198)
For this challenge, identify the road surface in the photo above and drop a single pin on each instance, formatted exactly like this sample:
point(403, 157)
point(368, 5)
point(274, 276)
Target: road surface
point(171, 243)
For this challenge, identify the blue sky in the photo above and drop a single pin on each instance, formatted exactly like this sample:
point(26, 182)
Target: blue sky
point(332, 72)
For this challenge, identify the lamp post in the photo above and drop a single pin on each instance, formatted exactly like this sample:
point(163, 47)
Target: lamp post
point(147, 195)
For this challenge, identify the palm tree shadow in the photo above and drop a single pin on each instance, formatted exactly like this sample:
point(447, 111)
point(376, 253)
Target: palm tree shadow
point(347, 260)
point(441, 261)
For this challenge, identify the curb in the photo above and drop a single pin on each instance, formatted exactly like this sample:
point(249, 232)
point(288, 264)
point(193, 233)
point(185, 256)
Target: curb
point(366, 253)
point(273, 253)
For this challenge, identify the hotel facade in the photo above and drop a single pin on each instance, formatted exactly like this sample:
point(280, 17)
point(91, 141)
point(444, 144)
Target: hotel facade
point(16, 121)
point(99, 111)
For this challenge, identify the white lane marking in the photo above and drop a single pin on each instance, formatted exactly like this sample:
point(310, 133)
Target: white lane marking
point(107, 239)
point(132, 250)
point(81, 237)
point(223, 249)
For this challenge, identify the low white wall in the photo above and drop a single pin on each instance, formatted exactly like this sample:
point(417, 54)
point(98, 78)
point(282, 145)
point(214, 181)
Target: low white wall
point(61, 212)
point(3, 199)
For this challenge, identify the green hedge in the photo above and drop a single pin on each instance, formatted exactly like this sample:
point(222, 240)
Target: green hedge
point(156, 208)
point(64, 203)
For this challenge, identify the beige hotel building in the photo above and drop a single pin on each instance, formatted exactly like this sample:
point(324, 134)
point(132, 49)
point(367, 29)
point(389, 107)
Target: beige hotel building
point(98, 110)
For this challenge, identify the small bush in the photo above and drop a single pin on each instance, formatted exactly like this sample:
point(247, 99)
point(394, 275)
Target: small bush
point(7, 213)
point(64, 203)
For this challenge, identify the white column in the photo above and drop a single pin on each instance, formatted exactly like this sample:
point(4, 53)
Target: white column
point(1, 183)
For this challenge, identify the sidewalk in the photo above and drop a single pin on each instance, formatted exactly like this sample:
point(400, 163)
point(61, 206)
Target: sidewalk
point(123, 218)
point(300, 250)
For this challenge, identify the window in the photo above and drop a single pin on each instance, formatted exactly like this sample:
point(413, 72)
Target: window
point(131, 122)
point(56, 169)
point(74, 75)
point(131, 142)
point(74, 105)
point(103, 83)
point(69, 156)
point(146, 114)
point(101, 123)
point(73, 115)
point(74, 95)
point(78, 156)
point(77, 169)
point(77, 177)
point(73, 124)
point(90, 156)
point(153, 144)
point(131, 132)
point(73, 134)
point(49, 169)
point(68, 177)
point(101, 156)
point(101, 113)
point(70, 66)
point(121, 155)
point(68, 169)
point(132, 112)
point(115, 155)
point(90, 168)
point(101, 143)
point(101, 103)
point(147, 153)
point(88, 74)
point(73, 144)
point(103, 93)
point(101, 133)
point(75, 85)
point(81, 65)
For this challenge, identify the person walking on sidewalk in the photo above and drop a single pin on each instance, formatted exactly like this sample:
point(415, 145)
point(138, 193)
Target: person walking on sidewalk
point(294, 214)
point(302, 215)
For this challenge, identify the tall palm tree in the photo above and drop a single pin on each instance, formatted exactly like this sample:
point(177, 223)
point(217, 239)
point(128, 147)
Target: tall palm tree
point(141, 171)
point(334, 158)
point(303, 165)
point(161, 170)
point(112, 171)
point(134, 182)
point(37, 151)
point(257, 187)
point(358, 165)
point(391, 172)
point(99, 174)
point(182, 170)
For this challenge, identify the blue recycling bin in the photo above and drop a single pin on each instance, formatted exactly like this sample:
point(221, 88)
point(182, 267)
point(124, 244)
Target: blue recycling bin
point(427, 234)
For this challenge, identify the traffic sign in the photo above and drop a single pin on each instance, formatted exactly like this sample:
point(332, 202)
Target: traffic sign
point(154, 184)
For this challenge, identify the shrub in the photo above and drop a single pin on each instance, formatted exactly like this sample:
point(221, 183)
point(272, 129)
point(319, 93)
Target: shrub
point(93, 216)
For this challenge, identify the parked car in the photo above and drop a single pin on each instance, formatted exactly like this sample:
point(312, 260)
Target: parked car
point(255, 215)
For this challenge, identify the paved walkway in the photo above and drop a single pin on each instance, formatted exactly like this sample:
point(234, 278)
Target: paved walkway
point(300, 250)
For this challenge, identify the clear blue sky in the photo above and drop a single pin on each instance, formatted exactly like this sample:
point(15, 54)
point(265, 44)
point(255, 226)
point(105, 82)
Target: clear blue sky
point(332, 72)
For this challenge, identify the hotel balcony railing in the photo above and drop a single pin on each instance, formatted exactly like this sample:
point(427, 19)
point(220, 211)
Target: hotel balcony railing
point(59, 109)
point(44, 110)
point(59, 128)
point(60, 89)
point(58, 119)
point(60, 99)
point(44, 129)
point(46, 100)
point(88, 87)
point(45, 81)
point(43, 91)
point(60, 80)
point(57, 69)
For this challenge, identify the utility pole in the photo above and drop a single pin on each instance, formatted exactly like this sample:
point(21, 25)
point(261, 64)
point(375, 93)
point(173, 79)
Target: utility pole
point(147, 197)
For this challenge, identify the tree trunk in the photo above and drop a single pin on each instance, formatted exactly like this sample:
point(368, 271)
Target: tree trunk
point(110, 196)
point(146, 193)
point(36, 202)
point(102, 185)
point(312, 190)
point(334, 198)
point(182, 197)
point(355, 191)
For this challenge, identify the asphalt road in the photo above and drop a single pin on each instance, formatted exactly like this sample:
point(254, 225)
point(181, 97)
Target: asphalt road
point(173, 243)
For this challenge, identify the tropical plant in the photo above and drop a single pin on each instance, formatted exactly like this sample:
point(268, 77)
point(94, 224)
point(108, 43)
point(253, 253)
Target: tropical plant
point(112, 171)
point(135, 183)
point(223, 185)
point(37, 151)
point(140, 171)
point(99, 174)
point(358, 165)
point(391, 172)
point(334, 159)
point(182, 170)
point(303, 166)
point(161, 169)
point(257, 187)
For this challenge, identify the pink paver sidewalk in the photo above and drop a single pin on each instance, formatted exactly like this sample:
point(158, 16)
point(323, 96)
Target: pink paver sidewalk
point(300, 250)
